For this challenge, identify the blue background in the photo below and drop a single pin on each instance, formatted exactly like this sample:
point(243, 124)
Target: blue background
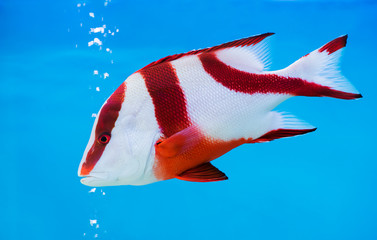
point(318, 186)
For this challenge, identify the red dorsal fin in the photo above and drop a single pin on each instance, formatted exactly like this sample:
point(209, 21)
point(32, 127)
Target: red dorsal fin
point(334, 45)
point(203, 173)
point(237, 43)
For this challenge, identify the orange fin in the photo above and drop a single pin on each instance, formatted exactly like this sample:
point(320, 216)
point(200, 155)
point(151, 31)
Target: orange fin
point(203, 173)
point(178, 143)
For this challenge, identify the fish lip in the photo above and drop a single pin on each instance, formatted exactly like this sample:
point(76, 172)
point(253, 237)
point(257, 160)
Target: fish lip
point(93, 177)
point(82, 180)
point(99, 175)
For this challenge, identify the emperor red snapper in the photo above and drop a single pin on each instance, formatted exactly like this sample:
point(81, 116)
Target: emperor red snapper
point(173, 117)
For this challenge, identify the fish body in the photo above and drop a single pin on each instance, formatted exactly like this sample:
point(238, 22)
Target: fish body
point(173, 117)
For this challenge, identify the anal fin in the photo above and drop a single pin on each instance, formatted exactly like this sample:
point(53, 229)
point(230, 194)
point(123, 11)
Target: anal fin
point(281, 133)
point(283, 125)
point(205, 172)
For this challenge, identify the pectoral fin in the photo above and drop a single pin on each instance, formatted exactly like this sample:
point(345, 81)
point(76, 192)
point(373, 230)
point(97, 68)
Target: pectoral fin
point(203, 173)
point(186, 156)
point(178, 143)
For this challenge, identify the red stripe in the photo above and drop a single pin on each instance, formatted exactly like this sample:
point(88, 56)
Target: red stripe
point(168, 98)
point(105, 124)
point(251, 83)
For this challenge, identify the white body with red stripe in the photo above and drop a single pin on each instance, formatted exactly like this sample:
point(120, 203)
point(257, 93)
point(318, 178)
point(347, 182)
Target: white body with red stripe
point(174, 116)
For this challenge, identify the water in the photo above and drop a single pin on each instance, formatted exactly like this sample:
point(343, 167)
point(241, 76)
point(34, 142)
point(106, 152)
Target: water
point(318, 186)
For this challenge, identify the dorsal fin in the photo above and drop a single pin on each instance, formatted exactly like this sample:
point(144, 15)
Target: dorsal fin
point(237, 43)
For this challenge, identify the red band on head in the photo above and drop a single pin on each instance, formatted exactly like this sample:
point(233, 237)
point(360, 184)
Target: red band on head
point(106, 121)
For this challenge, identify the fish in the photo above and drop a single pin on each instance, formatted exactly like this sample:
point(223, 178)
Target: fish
point(171, 118)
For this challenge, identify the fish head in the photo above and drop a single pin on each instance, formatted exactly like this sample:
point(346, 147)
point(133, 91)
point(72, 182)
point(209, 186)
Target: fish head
point(112, 157)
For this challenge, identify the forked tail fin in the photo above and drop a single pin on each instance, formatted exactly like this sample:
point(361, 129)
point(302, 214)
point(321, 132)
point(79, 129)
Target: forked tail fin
point(319, 69)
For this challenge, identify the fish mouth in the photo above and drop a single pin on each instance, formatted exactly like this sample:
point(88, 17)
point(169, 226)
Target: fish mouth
point(94, 179)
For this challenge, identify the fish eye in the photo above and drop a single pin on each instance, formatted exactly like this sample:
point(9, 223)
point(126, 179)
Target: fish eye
point(104, 138)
